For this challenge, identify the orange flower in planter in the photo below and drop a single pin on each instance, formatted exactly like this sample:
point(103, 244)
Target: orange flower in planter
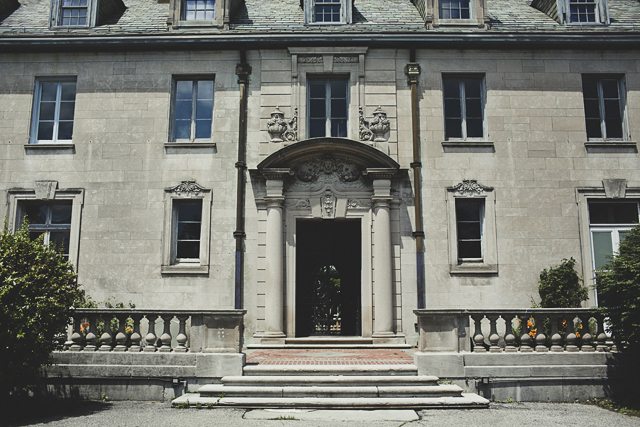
point(84, 326)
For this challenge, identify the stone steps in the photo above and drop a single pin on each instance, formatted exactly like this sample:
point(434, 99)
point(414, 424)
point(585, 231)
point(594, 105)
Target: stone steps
point(342, 380)
point(307, 370)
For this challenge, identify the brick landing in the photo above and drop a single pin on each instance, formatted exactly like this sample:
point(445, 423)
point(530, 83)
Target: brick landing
point(328, 357)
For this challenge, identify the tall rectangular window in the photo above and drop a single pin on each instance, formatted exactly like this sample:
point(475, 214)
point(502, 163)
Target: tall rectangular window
point(188, 224)
point(583, 11)
point(53, 112)
point(327, 108)
point(609, 224)
point(463, 107)
point(455, 9)
point(603, 107)
point(192, 109)
point(50, 220)
point(199, 10)
point(469, 214)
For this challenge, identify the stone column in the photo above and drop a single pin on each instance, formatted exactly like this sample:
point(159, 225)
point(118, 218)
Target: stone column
point(382, 274)
point(274, 299)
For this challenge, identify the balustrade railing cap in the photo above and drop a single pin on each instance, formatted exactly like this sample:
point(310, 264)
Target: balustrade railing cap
point(514, 311)
point(100, 310)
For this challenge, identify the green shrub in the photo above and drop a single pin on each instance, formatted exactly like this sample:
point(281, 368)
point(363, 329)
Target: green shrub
point(561, 286)
point(37, 290)
point(618, 286)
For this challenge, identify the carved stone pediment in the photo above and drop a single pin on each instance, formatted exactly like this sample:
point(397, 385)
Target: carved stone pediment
point(327, 169)
point(187, 189)
point(470, 188)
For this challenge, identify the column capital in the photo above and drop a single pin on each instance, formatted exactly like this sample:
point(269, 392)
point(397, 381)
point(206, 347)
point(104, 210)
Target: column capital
point(274, 201)
point(381, 201)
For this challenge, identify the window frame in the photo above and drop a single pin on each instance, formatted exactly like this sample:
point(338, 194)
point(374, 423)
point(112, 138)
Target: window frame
point(471, 8)
point(173, 196)
point(35, 116)
point(478, 17)
point(601, 11)
point(462, 91)
point(622, 104)
point(18, 197)
point(345, 13)
point(172, 124)
point(327, 81)
point(178, 15)
point(56, 15)
point(485, 196)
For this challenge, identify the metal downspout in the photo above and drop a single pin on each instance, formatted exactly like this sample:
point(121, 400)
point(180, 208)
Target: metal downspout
point(243, 71)
point(412, 70)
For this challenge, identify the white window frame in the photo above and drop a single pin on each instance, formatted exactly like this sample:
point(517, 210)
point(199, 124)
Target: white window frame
point(488, 264)
point(622, 91)
point(345, 13)
point(483, 103)
point(56, 15)
point(583, 197)
point(194, 100)
point(178, 15)
point(471, 12)
point(327, 80)
point(186, 191)
point(477, 15)
point(17, 198)
point(35, 117)
point(601, 12)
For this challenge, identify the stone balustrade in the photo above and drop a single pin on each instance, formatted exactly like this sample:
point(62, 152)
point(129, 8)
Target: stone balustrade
point(512, 330)
point(178, 331)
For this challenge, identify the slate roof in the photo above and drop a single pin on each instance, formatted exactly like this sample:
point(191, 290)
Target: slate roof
point(148, 17)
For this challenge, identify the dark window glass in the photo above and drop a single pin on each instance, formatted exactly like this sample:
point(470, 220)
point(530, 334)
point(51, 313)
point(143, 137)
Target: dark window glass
point(602, 108)
point(454, 9)
point(193, 109)
point(56, 111)
point(463, 108)
point(189, 222)
point(582, 11)
point(327, 11)
point(328, 110)
point(52, 221)
point(613, 213)
point(199, 10)
point(469, 228)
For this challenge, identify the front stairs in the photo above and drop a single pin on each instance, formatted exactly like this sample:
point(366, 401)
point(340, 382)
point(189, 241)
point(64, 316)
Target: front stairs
point(332, 387)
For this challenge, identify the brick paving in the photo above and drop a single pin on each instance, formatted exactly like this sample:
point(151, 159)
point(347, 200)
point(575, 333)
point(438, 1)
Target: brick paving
point(328, 357)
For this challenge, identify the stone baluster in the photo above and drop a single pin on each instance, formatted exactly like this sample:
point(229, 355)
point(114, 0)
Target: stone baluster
point(509, 338)
point(541, 338)
point(135, 335)
point(150, 338)
point(76, 336)
point(91, 337)
point(121, 336)
point(494, 338)
point(181, 338)
point(106, 336)
point(572, 339)
point(556, 338)
point(587, 338)
point(166, 334)
point(525, 340)
point(478, 338)
point(602, 336)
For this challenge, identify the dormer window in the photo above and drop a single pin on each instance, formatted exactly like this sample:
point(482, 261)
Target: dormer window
point(327, 11)
point(455, 13)
point(74, 12)
point(575, 12)
point(84, 13)
point(582, 11)
point(455, 9)
point(200, 10)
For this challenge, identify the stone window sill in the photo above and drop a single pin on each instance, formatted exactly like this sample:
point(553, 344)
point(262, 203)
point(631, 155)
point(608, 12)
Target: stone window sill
point(611, 147)
point(471, 22)
point(197, 24)
point(190, 147)
point(184, 269)
point(468, 147)
point(473, 268)
point(50, 148)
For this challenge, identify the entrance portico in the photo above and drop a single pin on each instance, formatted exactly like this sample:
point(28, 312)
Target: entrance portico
point(329, 179)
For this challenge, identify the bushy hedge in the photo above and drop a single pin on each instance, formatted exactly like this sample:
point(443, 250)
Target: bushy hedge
point(561, 286)
point(37, 290)
point(618, 286)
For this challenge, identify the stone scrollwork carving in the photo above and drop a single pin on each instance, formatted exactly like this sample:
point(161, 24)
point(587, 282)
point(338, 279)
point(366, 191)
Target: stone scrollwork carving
point(310, 59)
point(358, 203)
point(376, 129)
point(346, 170)
point(280, 129)
point(187, 189)
point(298, 204)
point(345, 59)
point(469, 188)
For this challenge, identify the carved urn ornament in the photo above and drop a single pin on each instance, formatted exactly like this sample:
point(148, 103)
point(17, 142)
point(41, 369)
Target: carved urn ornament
point(376, 129)
point(281, 130)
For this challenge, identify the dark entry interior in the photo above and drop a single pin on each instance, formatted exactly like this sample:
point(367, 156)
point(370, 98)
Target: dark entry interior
point(328, 258)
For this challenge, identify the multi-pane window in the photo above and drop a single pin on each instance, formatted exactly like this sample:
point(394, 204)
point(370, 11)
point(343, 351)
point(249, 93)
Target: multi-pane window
point(73, 12)
point(469, 218)
point(193, 109)
point(199, 10)
point(603, 107)
point(609, 223)
point(327, 10)
point(188, 226)
point(327, 110)
point(50, 220)
point(455, 9)
point(463, 107)
point(53, 112)
point(581, 11)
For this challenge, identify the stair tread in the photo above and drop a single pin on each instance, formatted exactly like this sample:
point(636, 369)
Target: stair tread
point(331, 379)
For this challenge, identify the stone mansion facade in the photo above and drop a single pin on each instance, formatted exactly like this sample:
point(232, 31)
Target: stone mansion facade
point(329, 166)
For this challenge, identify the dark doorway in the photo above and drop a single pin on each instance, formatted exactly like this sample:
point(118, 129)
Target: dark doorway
point(328, 265)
